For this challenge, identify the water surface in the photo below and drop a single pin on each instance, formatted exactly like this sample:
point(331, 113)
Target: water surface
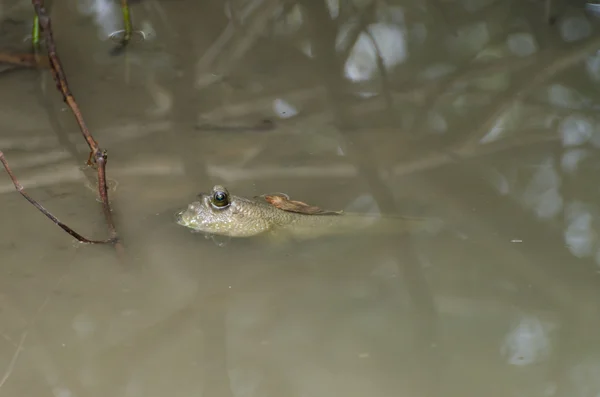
point(478, 112)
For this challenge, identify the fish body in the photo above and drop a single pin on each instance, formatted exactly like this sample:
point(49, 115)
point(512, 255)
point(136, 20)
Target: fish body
point(220, 213)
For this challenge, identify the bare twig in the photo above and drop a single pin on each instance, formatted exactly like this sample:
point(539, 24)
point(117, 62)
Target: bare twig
point(43, 210)
point(98, 156)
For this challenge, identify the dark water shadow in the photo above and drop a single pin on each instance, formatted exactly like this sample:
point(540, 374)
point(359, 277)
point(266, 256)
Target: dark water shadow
point(324, 31)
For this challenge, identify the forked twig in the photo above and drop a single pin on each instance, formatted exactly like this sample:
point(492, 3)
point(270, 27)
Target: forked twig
point(43, 210)
point(97, 156)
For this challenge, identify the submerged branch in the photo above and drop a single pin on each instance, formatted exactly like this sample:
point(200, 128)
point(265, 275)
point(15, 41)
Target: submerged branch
point(23, 60)
point(98, 156)
point(549, 66)
point(220, 62)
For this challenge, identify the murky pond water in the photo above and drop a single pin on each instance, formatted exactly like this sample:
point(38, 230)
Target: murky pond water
point(478, 112)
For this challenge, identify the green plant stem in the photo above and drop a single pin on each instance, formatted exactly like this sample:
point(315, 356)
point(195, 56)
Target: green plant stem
point(126, 21)
point(35, 32)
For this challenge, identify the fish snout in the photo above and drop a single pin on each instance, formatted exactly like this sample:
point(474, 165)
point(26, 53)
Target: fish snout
point(189, 214)
point(179, 216)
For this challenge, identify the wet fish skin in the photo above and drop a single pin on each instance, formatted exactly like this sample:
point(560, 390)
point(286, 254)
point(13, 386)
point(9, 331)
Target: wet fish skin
point(248, 217)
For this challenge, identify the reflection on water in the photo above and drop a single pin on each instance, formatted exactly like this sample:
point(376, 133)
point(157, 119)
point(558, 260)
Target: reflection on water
point(482, 113)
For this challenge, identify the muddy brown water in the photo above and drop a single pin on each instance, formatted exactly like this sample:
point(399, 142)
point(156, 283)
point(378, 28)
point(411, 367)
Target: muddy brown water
point(486, 118)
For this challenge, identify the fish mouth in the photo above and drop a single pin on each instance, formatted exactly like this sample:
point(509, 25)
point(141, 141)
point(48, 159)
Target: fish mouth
point(186, 219)
point(179, 218)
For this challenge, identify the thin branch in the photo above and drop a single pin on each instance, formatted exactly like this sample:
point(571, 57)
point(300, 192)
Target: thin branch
point(97, 156)
point(43, 210)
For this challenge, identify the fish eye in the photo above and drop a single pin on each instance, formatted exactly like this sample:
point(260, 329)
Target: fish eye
point(220, 199)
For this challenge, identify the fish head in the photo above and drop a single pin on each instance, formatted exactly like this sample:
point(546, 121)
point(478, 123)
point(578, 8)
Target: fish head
point(221, 213)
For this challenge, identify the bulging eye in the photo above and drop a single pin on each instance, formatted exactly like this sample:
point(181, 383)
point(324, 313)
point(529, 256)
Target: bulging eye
point(220, 199)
